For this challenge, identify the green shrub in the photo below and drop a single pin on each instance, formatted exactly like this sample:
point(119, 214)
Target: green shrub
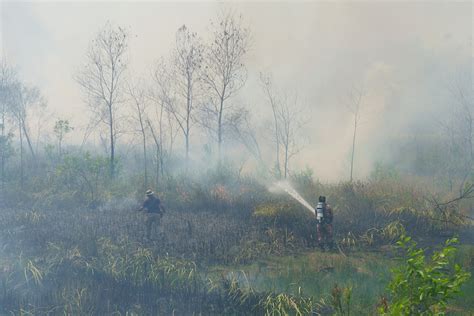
point(421, 287)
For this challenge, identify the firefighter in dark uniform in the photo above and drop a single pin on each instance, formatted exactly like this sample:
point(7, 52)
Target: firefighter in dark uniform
point(154, 211)
point(324, 227)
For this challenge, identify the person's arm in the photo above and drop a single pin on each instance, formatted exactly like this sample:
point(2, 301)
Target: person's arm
point(144, 206)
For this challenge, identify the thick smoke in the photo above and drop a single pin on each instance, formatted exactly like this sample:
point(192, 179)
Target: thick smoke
point(402, 55)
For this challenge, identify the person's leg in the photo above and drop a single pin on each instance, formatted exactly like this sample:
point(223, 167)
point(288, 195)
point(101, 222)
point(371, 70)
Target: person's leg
point(156, 224)
point(320, 232)
point(329, 236)
point(159, 226)
point(149, 223)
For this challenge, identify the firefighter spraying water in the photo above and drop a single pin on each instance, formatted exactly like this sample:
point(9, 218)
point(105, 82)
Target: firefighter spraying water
point(323, 213)
point(324, 218)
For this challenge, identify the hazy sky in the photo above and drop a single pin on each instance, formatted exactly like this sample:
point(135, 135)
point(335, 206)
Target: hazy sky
point(404, 54)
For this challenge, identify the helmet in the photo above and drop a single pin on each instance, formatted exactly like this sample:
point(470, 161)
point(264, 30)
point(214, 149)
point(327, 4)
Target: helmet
point(149, 192)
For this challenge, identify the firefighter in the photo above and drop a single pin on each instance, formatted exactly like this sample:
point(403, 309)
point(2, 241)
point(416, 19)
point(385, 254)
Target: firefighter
point(154, 212)
point(324, 218)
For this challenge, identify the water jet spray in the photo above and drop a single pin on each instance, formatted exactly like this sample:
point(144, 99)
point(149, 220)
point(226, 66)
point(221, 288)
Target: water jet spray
point(286, 187)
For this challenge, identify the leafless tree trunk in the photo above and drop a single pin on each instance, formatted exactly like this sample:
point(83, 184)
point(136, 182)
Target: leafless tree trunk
point(162, 153)
point(26, 99)
point(7, 79)
point(459, 135)
point(163, 101)
point(138, 97)
point(187, 61)
point(355, 98)
point(267, 86)
point(224, 72)
point(291, 124)
point(159, 155)
point(164, 134)
point(3, 142)
point(353, 146)
point(246, 133)
point(101, 79)
point(22, 177)
point(287, 123)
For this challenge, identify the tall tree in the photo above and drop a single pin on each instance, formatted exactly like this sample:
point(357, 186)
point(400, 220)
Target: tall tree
point(244, 130)
point(224, 72)
point(7, 79)
point(139, 118)
point(102, 78)
point(290, 125)
point(162, 126)
point(459, 133)
point(23, 100)
point(356, 96)
point(270, 93)
point(287, 123)
point(61, 129)
point(187, 62)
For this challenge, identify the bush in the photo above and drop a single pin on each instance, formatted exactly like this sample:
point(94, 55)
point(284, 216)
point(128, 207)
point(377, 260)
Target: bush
point(419, 287)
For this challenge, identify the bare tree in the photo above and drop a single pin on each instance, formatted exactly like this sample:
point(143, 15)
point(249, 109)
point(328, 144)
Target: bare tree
point(356, 96)
point(268, 89)
point(7, 79)
point(448, 211)
point(138, 97)
point(459, 134)
point(102, 80)
point(42, 118)
point(287, 123)
point(290, 123)
point(24, 99)
point(187, 61)
point(162, 127)
point(224, 72)
point(245, 131)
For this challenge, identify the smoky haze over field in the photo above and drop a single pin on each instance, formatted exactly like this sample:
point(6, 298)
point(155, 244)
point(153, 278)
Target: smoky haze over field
point(236, 158)
point(405, 56)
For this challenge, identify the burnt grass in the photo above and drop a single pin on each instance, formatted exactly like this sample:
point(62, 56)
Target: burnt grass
point(96, 260)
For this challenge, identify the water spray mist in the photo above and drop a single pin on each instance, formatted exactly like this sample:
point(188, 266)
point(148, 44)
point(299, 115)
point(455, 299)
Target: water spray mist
point(286, 187)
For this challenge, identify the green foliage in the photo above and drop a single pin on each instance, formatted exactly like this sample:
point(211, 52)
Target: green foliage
point(61, 128)
point(424, 287)
point(84, 175)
